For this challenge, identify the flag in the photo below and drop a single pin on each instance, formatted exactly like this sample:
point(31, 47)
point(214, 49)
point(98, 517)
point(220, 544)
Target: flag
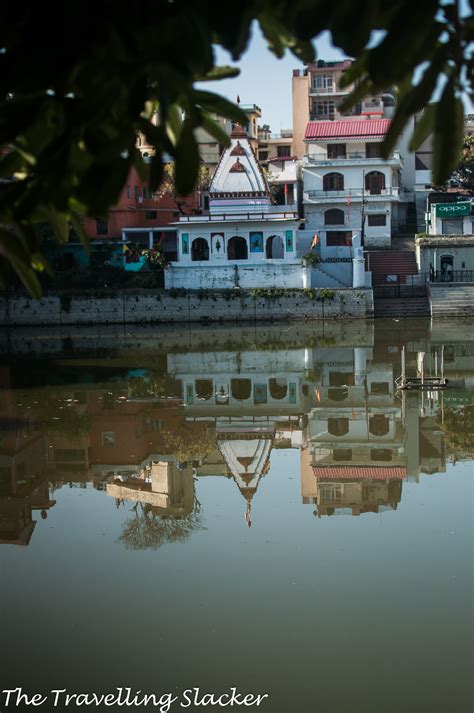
point(315, 241)
point(317, 393)
point(125, 248)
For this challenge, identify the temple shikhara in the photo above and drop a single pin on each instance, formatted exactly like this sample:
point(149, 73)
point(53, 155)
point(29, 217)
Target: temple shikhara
point(243, 241)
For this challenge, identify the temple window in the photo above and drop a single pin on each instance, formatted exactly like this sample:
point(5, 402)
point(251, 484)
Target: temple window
point(338, 426)
point(199, 250)
point(204, 389)
point(379, 425)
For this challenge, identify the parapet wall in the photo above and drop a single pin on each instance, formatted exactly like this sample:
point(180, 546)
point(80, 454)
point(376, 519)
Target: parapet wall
point(178, 306)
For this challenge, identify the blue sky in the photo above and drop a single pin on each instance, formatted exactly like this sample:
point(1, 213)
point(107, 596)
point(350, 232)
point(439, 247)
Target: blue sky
point(265, 80)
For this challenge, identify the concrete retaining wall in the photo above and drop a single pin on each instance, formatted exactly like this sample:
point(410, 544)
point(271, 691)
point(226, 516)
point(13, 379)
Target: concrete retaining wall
point(168, 306)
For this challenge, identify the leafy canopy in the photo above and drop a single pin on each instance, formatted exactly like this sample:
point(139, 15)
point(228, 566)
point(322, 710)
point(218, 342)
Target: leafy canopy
point(76, 89)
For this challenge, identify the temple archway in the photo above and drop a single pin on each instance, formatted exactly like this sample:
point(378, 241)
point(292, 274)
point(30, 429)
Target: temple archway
point(199, 250)
point(237, 248)
point(274, 248)
point(278, 388)
point(241, 389)
point(204, 389)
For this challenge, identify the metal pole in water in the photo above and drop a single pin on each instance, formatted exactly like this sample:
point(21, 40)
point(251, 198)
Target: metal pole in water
point(442, 363)
point(403, 366)
point(422, 355)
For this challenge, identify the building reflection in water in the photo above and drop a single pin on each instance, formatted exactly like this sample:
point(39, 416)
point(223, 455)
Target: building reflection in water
point(144, 435)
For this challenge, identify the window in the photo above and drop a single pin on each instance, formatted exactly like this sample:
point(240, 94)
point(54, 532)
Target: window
point(373, 220)
point(334, 216)
point(101, 226)
point(283, 151)
point(338, 426)
point(108, 438)
point(383, 454)
point(375, 182)
point(145, 192)
point(151, 214)
point(333, 182)
point(322, 81)
point(379, 425)
point(341, 378)
point(379, 388)
point(322, 109)
point(337, 238)
point(152, 424)
point(263, 155)
point(331, 492)
point(69, 454)
point(373, 150)
point(336, 151)
point(342, 454)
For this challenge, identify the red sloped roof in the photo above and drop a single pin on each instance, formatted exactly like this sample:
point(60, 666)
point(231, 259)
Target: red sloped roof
point(362, 128)
point(356, 472)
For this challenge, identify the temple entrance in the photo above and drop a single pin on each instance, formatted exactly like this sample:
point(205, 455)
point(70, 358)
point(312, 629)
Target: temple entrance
point(274, 248)
point(237, 248)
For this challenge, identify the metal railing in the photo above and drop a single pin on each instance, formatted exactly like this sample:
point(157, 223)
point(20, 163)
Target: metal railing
point(344, 193)
point(350, 156)
point(450, 276)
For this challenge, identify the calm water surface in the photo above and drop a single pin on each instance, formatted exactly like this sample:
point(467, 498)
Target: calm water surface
point(257, 508)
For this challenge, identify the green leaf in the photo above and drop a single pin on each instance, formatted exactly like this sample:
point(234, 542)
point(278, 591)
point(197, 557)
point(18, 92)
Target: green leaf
point(423, 127)
point(156, 172)
point(79, 228)
point(213, 128)
point(448, 133)
point(187, 161)
point(218, 105)
point(217, 73)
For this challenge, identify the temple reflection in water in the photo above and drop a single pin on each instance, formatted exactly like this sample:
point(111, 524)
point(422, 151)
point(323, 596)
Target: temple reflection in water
point(144, 429)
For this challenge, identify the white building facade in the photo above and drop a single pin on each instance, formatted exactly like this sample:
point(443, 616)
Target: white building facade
point(244, 241)
point(347, 187)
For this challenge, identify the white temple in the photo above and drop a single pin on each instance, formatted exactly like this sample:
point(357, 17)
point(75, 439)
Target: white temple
point(243, 241)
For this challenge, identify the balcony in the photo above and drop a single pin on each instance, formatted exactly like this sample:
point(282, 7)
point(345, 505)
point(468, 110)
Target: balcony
point(352, 159)
point(320, 196)
point(329, 91)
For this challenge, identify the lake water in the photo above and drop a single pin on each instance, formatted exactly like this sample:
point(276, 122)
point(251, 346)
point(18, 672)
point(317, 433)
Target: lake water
point(256, 508)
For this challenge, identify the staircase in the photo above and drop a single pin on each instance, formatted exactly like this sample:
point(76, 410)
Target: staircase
point(402, 307)
point(390, 262)
point(452, 299)
point(330, 280)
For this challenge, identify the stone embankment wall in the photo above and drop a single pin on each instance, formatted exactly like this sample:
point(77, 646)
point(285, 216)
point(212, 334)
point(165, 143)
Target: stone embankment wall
point(178, 306)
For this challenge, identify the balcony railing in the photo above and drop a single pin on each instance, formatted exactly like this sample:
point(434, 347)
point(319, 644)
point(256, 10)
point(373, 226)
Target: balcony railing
point(357, 156)
point(352, 192)
point(450, 276)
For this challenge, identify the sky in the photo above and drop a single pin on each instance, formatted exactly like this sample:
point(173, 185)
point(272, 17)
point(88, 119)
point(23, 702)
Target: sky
point(265, 80)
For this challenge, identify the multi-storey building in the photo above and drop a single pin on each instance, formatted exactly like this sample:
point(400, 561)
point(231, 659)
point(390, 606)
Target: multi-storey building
point(348, 187)
point(318, 96)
